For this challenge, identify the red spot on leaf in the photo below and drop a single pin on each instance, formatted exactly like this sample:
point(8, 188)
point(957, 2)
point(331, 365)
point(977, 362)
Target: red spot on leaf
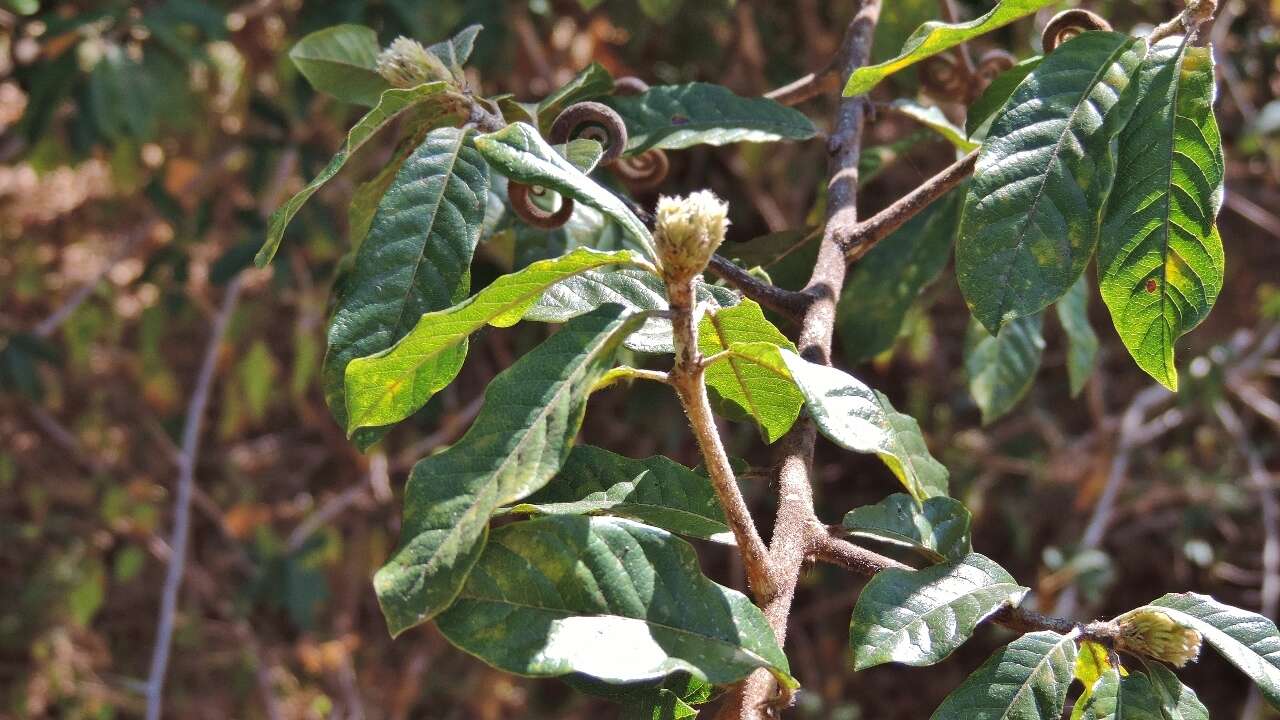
point(679, 120)
point(1152, 285)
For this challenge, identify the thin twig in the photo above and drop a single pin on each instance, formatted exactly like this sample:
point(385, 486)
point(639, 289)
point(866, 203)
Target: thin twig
point(785, 302)
point(182, 502)
point(47, 326)
point(806, 88)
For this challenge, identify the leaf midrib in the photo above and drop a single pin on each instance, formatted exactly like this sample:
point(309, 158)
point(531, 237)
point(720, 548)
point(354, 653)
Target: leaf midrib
point(1166, 328)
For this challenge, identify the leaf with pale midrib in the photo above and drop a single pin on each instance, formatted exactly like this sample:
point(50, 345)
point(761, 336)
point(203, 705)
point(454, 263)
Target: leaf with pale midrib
point(1000, 369)
point(656, 491)
point(532, 411)
point(919, 617)
point(1026, 680)
point(534, 606)
point(1030, 221)
point(1161, 263)
point(674, 117)
point(415, 259)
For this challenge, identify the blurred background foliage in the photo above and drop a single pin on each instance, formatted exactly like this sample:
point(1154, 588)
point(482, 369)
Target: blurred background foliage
point(143, 145)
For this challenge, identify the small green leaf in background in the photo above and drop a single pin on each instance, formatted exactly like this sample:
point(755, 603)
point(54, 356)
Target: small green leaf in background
point(342, 61)
point(389, 107)
point(520, 153)
point(1082, 341)
point(1247, 640)
point(885, 283)
point(674, 117)
point(1000, 369)
point(742, 390)
point(934, 37)
point(932, 117)
point(919, 617)
point(1160, 264)
point(591, 82)
point(854, 416)
point(673, 698)
point(120, 97)
point(1030, 222)
point(416, 258)
point(532, 411)
point(534, 606)
point(983, 110)
point(390, 386)
point(938, 528)
point(455, 51)
point(656, 491)
point(1026, 680)
point(635, 289)
point(1178, 701)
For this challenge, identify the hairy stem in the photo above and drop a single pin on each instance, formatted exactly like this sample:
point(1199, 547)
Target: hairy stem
point(688, 378)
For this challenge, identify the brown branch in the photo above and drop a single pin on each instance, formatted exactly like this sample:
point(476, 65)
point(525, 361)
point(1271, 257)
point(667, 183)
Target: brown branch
point(859, 239)
point(1197, 13)
point(808, 87)
point(782, 301)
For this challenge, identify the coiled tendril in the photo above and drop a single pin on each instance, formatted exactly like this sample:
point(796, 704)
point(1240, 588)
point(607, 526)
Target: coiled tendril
point(1068, 24)
point(592, 121)
point(522, 204)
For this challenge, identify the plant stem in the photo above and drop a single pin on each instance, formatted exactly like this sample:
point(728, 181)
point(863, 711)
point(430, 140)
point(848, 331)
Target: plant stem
point(688, 378)
point(780, 300)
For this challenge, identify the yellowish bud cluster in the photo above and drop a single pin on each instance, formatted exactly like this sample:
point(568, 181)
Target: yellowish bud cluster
point(688, 231)
point(1155, 634)
point(405, 63)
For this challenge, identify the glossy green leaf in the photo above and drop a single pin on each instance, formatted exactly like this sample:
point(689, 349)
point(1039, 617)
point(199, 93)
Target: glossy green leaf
point(591, 82)
point(1000, 369)
point(1177, 701)
point(532, 411)
point(393, 103)
point(1082, 341)
point(997, 95)
point(932, 38)
point(884, 284)
point(1026, 680)
point(1102, 699)
point(674, 117)
point(342, 61)
point(656, 491)
point(938, 528)
point(1161, 263)
point(1247, 640)
point(919, 617)
point(582, 154)
point(391, 385)
point(1030, 220)
point(415, 259)
point(520, 153)
point(534, 606)
point(742, 390)
point(635, 289)
point(932, 117)
point(855, 417)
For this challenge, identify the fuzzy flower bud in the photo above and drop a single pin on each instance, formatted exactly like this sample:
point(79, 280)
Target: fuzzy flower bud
point(1157, 635)
point(405, 63)
point(687, 232)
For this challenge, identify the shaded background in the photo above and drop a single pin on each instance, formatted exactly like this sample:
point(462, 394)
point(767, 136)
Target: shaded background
point(142, 146)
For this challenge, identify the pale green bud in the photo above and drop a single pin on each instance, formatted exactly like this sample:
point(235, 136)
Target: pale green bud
point(406, 63)
point(688, 231)
point(1156, 634)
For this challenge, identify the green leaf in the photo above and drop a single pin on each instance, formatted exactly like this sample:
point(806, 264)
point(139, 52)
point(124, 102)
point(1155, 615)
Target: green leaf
point(455, 51)
point(997, 95)
point(416, 257)
point(531, 413)
point(582, 154)
point(1030, 220)
point(674, 117)
point(932, 117)
point(885, 283)
point(1178, 701)
point(855, 417)
point(919, 617)
point(1082, 341)
point(635, 289)
point(1247, 640)
point(656, 491)
point(1160, 264)
point(392, 104)
point(520, 153)
point(932, 38)
point(1000, 369)
point(120, 97)
point(391, 385)
point(672, 698)
point(937, 528)
point(342, 61)
point(591, 82)
point(743, 390)
point(609, 598)
point(1102, 699)
point(1026, 680)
